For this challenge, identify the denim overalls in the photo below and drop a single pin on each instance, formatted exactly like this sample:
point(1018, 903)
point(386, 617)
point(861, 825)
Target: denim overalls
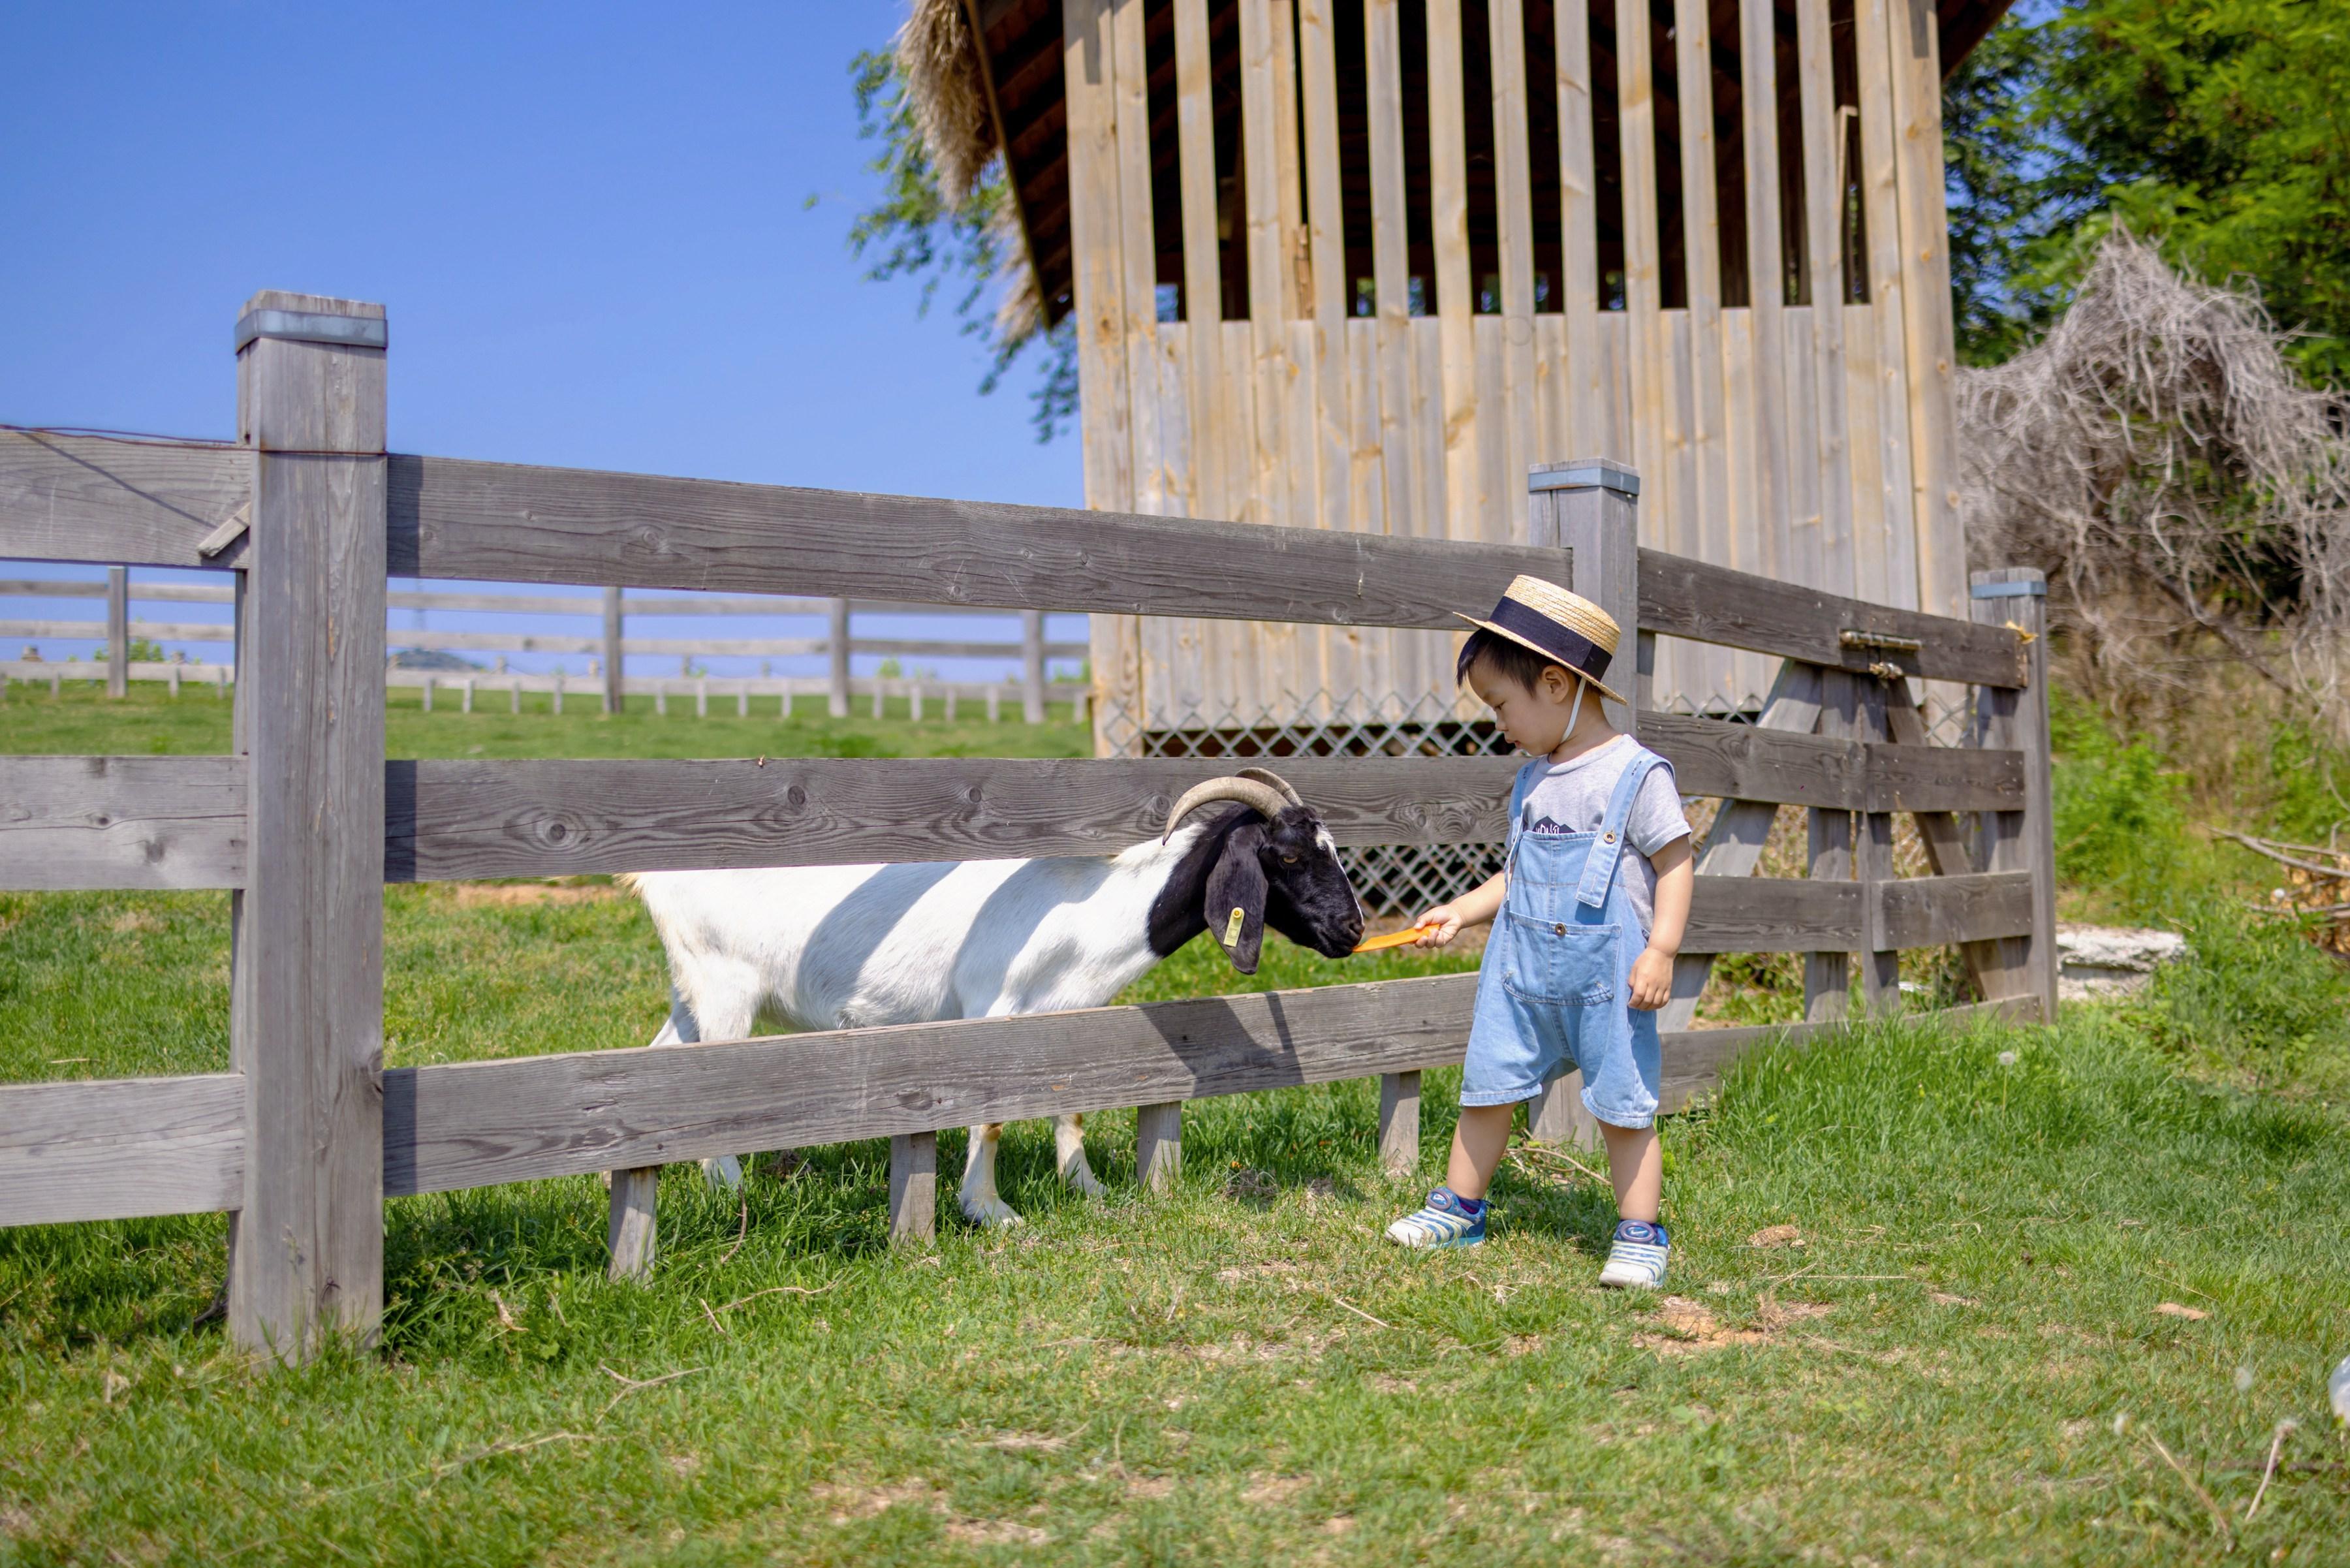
point(1553, 991)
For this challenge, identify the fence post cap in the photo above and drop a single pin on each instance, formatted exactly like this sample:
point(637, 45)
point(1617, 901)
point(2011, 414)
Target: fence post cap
point(1585, 473)
point(311, 319)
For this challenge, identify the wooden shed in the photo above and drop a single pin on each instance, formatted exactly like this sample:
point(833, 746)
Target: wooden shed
point(1357, 264)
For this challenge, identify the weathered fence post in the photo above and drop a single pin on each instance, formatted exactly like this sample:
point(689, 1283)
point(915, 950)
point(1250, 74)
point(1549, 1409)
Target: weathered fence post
point(614, 661)
point(1399, 1123)
point(914, 1187)
point(428, 693)
point(1159, 1146)
point(305, 1249)
point(1590, 506)
point(631, 1235)
point(118, 631)
point(1880, 964)
point(1031, 666)
point(1828, 845)
point(2021, 840)
point(836, 649)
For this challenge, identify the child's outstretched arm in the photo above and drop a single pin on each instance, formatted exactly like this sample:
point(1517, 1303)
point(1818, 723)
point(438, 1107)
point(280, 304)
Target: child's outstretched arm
point(1652, 972)
point(1474, 908)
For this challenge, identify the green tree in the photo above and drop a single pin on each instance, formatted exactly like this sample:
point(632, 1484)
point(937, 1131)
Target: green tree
point(2217, 129)
point(970, 248)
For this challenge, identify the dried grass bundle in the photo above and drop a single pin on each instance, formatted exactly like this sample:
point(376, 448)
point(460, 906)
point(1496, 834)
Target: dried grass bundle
point(2158, 456)
point(938, 59)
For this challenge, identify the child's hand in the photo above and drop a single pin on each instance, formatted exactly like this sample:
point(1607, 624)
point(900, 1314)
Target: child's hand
point(1652, 979)
point(1438, 926)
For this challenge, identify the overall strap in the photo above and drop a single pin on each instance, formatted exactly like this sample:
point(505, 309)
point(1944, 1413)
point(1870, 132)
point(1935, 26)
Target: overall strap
point(1521, 787)
point(1600, 863)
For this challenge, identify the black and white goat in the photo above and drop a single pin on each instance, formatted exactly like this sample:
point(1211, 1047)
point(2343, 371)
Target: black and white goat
point(844, 947)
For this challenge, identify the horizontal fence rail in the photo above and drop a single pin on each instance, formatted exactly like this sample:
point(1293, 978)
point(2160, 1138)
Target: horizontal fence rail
point(307, 1135)
point(456, 518)
point(178, 821)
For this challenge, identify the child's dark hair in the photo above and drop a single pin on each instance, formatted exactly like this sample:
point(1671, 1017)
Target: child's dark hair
point(1513, 660)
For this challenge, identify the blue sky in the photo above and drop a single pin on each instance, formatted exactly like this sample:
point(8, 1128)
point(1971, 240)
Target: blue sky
point(588, 224)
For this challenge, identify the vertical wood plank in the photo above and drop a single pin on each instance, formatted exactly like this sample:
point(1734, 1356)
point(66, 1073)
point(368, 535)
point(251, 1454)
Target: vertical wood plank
point(1089, 77)
point(2017, 720)
point(1880, 964)
point(1590, 391)
point(1269, 151)
point(1137, 253)
point(1398, 1123)
point(1930, 345)
point(1390, 272)
point(614, 661)
point(836, 649)
point(631, 1233)
point(1031, 667)
point(1800, 366)
point(1159, 1146)
point(118, 631)
point(1513, 193)
point(1465, 512)
point(1203, 305)
point(1647, 344)
point(1871, 522)
point(1826, 976)
point(1887, 291)
point(1717, 520)
point(1822, 140)
point(1600, 523)
point(914, 1188)
point(1765, 286)
point(305, 1250)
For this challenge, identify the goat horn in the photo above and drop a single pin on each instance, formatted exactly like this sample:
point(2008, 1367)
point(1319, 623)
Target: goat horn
point(1267, 776)
point(1263, 798)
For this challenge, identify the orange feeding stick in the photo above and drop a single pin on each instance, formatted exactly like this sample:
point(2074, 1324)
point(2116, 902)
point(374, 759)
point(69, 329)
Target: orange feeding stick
point(1392, 939)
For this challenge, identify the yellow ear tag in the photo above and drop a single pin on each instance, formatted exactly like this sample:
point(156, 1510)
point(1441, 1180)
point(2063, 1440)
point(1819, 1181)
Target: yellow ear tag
point(1232, 926)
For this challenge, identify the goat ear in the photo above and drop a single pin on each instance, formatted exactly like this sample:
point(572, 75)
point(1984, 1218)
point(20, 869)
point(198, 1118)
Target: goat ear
point(1236, 900)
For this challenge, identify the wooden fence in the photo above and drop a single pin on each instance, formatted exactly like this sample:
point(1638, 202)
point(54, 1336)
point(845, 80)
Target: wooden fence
point(307, 1134)
point(610, 649)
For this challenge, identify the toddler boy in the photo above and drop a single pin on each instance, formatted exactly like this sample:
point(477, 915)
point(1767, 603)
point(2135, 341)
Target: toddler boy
point(1582, 955)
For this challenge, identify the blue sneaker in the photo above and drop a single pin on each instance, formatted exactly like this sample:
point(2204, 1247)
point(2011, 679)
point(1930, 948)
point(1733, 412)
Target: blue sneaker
point(1443, 1222)
point(1636, 1260)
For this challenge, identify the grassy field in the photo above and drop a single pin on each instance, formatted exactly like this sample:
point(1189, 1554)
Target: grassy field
point(2046, 1297)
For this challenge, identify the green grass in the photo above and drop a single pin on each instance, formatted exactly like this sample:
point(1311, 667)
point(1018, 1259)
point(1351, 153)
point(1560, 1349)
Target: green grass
point(82, 723)
point(1962, 1362)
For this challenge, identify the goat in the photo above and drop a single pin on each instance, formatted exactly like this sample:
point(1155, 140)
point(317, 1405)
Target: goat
point(846, 947)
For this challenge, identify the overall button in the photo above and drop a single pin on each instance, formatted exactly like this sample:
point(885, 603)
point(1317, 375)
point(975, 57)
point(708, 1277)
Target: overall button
point(1560, 928)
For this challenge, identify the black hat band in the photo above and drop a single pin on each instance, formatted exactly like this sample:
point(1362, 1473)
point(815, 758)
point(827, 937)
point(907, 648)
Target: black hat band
point(1569, 647)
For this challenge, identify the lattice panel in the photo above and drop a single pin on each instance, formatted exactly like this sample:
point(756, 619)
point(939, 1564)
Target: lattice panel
point(1393, 879)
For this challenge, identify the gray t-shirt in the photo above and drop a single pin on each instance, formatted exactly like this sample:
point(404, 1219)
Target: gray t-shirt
point(1572, 797)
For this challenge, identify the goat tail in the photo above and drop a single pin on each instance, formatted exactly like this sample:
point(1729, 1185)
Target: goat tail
point(630, 881)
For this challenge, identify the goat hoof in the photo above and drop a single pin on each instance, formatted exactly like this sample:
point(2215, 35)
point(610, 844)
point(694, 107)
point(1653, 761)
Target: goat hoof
point(724, 1173)
point(1084, 1182)
point(992, 1215)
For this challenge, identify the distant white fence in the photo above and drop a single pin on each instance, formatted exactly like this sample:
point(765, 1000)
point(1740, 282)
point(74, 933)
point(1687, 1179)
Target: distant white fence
point(609, 651)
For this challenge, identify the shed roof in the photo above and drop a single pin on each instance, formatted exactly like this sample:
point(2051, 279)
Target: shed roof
point(984, 75)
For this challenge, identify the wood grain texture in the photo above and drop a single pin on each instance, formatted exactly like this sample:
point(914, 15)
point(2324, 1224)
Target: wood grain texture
point(1931, 346)
point(1515, 441)
point(1827, 969)
point(1766, 409)
point(913, 1188)
point(1159, 1146)
point(89, 498)
point(1767, 914)
point(474, 520)
point(2024, 840)
point(1589, 391)
point(1966, 907)
point(307, 986)
point(477, 1124)
point(457, 819)
point(1706, 603)
point(1448, 203)
point(121, 1148)
point(1390, 274)
point(1399, 1123)
point(632, 1226)
point(122, 821)
point(1824, 283)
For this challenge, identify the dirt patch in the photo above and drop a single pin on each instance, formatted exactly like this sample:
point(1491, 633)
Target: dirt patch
point(1776, 1236)
point(1689, 1327)
point(1382, 1384)
point(997, 1533)
point(1269, 1489)
point(1150, 1489)
point(1252, 1186)
point(1522, 1344)
point(131, 921)
point(851, 1503)
point(1944, 1298)
point(521, 895)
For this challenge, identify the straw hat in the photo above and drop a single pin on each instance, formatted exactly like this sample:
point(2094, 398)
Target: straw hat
point(1563, 626)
